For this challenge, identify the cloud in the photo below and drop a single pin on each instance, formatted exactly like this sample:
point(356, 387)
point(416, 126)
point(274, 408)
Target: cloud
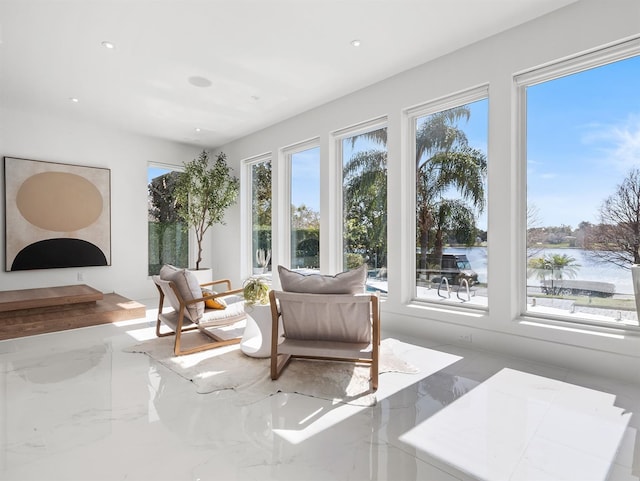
point(620, 144)
point(533, 170)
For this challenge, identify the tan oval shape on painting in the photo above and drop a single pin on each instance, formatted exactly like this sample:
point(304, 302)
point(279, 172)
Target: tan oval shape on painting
point(59, 201)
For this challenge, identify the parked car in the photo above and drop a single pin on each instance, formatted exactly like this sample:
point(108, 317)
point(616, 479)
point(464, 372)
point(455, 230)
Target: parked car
point(454, 267)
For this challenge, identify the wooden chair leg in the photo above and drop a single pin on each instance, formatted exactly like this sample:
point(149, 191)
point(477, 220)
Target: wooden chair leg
point(162, 334)
point(374, 375)
point(278, 363)
point(158, 321)
point(176, 344)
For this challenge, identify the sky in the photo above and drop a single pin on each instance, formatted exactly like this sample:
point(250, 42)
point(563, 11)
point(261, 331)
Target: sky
point(305, 177)
point(583, 137)
point(153, 172)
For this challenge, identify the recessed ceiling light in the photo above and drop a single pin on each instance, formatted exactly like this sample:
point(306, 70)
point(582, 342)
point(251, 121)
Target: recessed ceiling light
point(74, 100)
point(107, 44)
point(355, 43)
point(197, 129)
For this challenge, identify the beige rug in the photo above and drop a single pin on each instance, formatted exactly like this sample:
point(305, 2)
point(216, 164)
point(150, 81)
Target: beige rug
point(227, 368)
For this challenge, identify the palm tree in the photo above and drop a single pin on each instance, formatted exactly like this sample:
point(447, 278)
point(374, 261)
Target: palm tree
point(365, 204)
point(556, 266)
point(453, 216)
point(446, 163)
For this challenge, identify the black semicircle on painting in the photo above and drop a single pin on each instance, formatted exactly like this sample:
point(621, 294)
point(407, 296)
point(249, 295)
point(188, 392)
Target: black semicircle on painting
point(53, 253)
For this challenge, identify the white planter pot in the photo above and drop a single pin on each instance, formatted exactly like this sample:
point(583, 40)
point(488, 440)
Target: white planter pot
point(203, 275)
point(635, 276)
point(256, 341)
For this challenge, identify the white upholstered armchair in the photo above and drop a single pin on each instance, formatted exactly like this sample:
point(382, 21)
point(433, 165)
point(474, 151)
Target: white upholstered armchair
point(325, 317)
point(196, 307)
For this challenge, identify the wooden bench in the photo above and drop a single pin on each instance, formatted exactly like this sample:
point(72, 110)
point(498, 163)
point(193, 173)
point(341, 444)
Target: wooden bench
point(47, 296)
point(26, 312)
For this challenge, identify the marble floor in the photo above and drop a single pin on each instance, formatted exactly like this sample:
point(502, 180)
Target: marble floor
point(75, 406)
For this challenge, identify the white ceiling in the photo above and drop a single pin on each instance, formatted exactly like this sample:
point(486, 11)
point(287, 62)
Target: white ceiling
point(266, 60)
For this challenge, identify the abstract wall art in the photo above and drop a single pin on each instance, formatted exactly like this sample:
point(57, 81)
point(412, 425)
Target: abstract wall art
point(56, 215)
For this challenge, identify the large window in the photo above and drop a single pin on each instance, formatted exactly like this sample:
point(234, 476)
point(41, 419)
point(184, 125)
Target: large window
point(364, 202)
point(451, 184)
point(261, 211)
point(168, 239)
point(582, 120)
point(305, 207)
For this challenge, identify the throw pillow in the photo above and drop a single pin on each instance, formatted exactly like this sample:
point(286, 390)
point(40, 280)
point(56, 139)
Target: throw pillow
point(214, 302)
point(348, 282)
point(188, 287)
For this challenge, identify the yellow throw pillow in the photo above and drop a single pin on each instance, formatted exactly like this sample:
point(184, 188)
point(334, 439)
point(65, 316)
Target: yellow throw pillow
point(214, 303)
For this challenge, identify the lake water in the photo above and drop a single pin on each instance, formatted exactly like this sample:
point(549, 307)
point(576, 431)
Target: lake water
point(589, 270)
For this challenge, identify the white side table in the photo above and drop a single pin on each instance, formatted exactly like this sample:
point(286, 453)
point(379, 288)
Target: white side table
point(256, 340)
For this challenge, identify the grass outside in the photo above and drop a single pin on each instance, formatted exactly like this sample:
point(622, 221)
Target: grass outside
point(560, 245)
point(616, 303)
point(607, 303)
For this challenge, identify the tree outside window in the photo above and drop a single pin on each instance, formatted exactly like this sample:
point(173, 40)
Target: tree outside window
point(305, 207)
point(583, 184)
point(365, 204)
point(168, 240)
point(261, 212)
point(451, 179)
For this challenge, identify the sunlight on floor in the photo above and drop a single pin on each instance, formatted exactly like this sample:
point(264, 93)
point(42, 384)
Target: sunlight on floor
point(310, 424)
point(520, 426)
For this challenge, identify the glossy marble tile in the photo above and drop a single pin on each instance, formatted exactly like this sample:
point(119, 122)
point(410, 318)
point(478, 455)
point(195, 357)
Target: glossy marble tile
point(521, 426)
point(76, 406)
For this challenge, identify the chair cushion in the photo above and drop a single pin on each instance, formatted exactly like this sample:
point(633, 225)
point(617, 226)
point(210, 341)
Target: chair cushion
point(348, 282)
point(325, 349)
point(187, 284)
point(326, 317)
point(172, 298)
point(221, 317)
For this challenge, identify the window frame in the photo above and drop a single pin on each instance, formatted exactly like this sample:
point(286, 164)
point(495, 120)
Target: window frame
point(191, 235)
point(336, 137)
point(246, 225)
point(285, 155)
point(410, 117)
point(598, 57)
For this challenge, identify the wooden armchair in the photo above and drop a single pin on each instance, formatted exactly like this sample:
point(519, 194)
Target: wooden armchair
point(190, 312)
point(330, 325)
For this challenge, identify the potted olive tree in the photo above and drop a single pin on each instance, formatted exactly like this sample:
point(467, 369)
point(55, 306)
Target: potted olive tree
point(204, 191)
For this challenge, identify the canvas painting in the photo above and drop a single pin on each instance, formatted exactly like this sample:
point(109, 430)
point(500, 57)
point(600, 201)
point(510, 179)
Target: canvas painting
point(56, 215)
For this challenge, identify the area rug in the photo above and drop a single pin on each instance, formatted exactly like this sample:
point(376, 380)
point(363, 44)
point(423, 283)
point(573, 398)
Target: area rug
point(228, 369)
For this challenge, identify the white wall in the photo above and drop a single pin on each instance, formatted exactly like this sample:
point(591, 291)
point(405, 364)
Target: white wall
point(577, 28)
point(41, 137)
